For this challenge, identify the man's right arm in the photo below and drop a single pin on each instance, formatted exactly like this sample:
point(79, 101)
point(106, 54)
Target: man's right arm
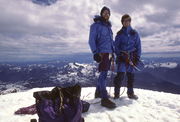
point(116, 44)
point(92, 38)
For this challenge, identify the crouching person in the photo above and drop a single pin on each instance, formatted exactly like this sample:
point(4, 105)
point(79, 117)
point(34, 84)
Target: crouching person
point(128, 53)
point(101, 44)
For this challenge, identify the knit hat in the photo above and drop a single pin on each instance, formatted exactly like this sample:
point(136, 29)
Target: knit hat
point(103, 9)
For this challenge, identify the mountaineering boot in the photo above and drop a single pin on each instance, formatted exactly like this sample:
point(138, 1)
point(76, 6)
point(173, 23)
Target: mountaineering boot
point(132, 96)
point(108, 103)
point(97, 94)
point(130, 85)
point(33, 120)
point(116, 96)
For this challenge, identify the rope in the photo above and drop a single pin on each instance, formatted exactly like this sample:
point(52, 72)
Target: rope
point(129, 61)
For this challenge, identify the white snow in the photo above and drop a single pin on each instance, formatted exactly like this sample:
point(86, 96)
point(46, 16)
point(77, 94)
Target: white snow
point(11, 88)
point(16, 68)
point(76, 65)
point(170, 65)
point(152, 106)
point(77, 72)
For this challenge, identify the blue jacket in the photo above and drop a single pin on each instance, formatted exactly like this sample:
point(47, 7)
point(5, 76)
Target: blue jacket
point(101, 36)
point(127, 39)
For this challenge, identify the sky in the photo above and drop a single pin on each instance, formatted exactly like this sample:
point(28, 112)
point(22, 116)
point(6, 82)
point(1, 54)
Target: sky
point(32, 31)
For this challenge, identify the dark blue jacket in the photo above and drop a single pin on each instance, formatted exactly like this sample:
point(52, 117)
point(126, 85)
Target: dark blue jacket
point(127, 39)
point(101, 36)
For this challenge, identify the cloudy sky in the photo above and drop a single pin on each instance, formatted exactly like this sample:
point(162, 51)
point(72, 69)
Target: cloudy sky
point(30, 31)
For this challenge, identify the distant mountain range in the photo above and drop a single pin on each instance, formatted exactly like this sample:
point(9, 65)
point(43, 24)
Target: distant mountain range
point(160, 76)
point(44, 2)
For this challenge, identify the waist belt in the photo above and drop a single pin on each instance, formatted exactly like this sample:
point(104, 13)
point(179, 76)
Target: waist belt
point(128, 52)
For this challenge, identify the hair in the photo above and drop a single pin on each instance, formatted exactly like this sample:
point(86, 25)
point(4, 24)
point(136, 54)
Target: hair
point(124, 17)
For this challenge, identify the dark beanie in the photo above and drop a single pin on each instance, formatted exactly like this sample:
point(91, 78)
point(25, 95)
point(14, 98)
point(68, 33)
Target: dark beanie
point(105, 8)
point(124, 17)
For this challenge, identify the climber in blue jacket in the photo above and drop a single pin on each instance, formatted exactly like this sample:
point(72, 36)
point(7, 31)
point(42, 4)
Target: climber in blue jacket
point(128, 53)
point(101, 44)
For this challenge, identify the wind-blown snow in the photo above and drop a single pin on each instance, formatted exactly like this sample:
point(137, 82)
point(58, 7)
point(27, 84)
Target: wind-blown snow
point(150, 107)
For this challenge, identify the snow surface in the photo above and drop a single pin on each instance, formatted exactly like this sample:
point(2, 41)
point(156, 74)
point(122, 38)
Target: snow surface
point(151, 106)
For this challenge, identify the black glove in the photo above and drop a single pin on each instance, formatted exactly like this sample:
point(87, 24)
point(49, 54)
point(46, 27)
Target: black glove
point(117, 59)
point(136, 60)
point(97, 57)
point(113, 56)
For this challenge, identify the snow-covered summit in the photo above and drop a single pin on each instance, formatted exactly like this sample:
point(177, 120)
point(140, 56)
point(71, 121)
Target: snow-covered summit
point(150, 107)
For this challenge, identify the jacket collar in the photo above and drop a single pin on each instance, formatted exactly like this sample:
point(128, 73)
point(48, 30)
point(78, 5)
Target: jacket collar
point(99, 19)
point(127, 30)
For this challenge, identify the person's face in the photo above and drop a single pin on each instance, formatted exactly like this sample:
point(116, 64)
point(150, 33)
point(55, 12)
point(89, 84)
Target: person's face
point(106, 15)
point(126, 22)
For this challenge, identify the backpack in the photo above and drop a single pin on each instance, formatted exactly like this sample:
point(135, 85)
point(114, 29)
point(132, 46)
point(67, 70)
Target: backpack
point(60, 104)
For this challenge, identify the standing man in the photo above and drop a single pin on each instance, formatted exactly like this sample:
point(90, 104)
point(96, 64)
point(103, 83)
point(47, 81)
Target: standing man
point(128, 53)
point(101, 44)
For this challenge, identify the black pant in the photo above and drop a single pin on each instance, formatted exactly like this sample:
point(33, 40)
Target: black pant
point(118, 82)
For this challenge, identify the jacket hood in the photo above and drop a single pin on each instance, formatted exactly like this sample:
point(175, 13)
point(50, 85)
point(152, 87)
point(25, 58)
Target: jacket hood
point(127, 30)
point(98, 18)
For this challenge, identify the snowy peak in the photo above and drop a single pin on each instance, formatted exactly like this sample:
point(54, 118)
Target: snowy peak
point(44, 2)
point(78, 73)
point(156, 76)
point(170, 65)
point(77, 67)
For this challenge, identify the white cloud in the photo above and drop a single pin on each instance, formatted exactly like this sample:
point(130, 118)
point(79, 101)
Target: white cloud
point(29, 29)
point(165, 41)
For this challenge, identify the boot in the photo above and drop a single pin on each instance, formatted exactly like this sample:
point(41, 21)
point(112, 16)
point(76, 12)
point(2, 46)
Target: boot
point(130, 85)
point(33, 120)
point(116, 96)
point(132, 96)
point(108, 103)
point(97, 94)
